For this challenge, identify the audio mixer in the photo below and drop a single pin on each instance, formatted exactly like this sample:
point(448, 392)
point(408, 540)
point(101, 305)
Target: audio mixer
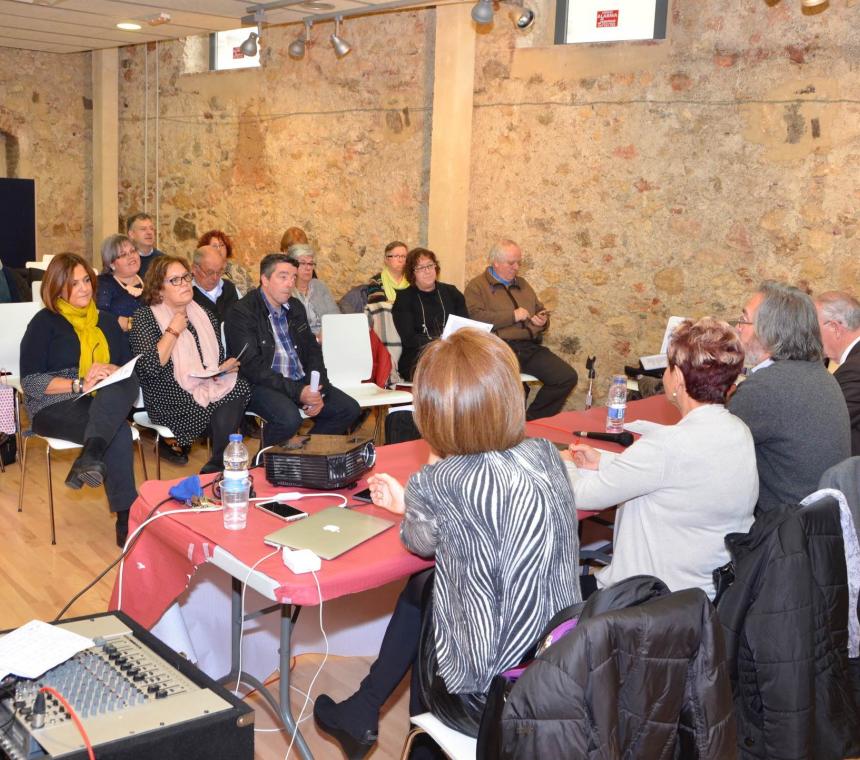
point(135, 697)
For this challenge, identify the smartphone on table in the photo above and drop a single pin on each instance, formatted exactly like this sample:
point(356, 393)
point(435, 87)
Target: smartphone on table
point(283, 510)
point(363, 496)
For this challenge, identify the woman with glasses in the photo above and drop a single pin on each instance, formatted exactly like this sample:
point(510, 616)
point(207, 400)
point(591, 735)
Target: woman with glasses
point(310, 290)
point(384, 285)
point(239, 275)
point(120, 284)
point(421, 310)
point(187, 384)
point(68, 348)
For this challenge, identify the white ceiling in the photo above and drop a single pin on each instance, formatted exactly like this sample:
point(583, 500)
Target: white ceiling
point(69, 26)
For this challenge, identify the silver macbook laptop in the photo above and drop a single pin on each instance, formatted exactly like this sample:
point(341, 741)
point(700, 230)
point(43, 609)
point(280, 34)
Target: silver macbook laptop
point(329, 533)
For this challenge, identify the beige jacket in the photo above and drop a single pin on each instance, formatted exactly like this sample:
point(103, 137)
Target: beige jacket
point(488, 300)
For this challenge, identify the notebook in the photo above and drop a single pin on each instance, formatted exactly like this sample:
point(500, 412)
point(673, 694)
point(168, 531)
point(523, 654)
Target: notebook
point(329, 533)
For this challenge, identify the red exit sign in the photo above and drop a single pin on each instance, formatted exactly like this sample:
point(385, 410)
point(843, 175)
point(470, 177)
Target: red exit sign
point(606, 19)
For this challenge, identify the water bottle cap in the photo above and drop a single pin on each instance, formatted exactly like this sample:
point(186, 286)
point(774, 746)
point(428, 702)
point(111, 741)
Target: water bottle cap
point(235, 438)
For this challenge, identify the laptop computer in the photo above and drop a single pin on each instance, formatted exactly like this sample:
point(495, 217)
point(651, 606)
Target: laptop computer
point(329, 533)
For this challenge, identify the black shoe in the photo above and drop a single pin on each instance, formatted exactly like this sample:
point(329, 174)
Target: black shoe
point(210, 467)
point(174, 454)
point(329, 718)
point(121, 528)
point(88, 468)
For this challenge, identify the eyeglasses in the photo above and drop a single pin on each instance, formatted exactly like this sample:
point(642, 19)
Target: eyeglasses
point(399, 256)
point(126, 253)
point(425, 267)
point(219, 273)
point(739, 322)
point(179, 279)
point(307, 263)
point(216, 244)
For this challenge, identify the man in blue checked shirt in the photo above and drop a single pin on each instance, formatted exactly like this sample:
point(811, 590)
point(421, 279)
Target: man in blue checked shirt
point(279, 352)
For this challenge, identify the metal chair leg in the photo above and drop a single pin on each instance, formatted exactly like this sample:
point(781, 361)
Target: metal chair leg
point(50, 495)
point(22, 456)
point(380, 415)
point(142, 457)
point(157, 457)
point(410, 737)
point(18, 432)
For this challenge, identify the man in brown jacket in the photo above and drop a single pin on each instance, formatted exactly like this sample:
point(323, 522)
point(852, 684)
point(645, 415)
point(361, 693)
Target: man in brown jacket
point(506, 301)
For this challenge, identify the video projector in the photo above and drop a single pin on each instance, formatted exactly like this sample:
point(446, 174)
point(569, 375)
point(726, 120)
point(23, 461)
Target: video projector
point(323, 462)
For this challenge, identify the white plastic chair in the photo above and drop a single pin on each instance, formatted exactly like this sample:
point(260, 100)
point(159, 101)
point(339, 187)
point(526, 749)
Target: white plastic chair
point(141, 417)
point(455, 745)
point(36, 287)
point(349, 361)
point(41, 264)
point(59, 444)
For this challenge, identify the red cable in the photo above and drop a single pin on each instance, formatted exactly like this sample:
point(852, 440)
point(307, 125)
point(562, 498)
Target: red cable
point(70, 710)
point(551, 427)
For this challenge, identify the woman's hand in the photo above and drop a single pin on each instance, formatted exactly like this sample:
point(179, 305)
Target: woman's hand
point(179, 322)
point(96, 374)
point(586, 457)
point(229, 365)
point(124, 323)
point(387, 493)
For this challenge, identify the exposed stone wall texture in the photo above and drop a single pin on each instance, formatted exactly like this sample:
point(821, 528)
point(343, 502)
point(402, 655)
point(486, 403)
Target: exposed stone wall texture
point(650, 179)
point(336, 147)
point(46, 106)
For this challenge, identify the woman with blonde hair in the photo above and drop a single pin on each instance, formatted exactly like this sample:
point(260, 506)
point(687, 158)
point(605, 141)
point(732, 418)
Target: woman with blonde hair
point(495, 511)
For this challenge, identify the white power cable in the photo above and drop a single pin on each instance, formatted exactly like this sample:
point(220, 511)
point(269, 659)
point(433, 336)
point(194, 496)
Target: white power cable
point(242, 617)
point(140, 527)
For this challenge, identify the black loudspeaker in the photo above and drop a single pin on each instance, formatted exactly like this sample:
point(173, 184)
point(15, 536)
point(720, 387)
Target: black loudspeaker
point(18, 221)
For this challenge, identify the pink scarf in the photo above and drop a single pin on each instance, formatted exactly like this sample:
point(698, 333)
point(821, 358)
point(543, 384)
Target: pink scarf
point(186, 360)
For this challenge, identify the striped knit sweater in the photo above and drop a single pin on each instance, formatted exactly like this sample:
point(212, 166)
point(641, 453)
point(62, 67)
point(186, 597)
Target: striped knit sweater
point(502, 527)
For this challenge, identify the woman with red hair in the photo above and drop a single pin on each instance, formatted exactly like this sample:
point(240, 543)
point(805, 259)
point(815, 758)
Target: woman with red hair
point(239, 275)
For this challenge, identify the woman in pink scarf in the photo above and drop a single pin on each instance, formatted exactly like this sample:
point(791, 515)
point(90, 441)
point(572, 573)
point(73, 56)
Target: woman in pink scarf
point(187, 384)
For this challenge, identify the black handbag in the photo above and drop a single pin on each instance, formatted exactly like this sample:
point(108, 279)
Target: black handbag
point(8, 449)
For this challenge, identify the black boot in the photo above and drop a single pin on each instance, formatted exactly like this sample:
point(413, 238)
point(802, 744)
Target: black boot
point(349, 723)
point(88, 468)
point(121, 528)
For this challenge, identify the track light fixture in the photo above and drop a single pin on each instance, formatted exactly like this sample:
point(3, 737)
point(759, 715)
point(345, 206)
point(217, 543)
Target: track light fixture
point(249, 46)
point(341, 46)
point(525, 19)
point(298, 46)
point(482, 12)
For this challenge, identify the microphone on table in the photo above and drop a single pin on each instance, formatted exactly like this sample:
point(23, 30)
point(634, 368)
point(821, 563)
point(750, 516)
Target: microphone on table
point(623, 439)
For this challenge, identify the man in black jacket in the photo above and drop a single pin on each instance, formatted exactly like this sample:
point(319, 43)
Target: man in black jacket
point(280, 353)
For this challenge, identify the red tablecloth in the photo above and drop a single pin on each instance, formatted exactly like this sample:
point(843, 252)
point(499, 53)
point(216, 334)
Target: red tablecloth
point(161, 564)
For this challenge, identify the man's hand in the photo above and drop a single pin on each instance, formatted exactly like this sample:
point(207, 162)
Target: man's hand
point(539, 319)
point(387, 493)
point(521, 314)
point(312, 401)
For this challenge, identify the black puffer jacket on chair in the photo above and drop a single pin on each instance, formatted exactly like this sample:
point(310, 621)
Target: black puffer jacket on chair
point(642, 676)
point(785, 620)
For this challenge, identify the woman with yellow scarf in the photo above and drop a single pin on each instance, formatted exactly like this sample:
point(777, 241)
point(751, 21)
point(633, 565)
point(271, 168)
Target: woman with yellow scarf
point(68, 348)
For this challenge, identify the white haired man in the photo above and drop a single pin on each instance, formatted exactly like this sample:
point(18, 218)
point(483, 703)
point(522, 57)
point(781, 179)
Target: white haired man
point(504, 299)
point(839, 320)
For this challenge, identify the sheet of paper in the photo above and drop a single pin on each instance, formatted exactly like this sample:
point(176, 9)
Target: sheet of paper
point(36, 647)
point(670, 328)
point(642, 426)
point(215, 372)
point(123, 373)
point(455, 323)
point(655, 361)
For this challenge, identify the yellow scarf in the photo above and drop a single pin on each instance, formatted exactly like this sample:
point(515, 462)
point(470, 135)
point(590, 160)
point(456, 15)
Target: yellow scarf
point(94, 345)
point(390, 286)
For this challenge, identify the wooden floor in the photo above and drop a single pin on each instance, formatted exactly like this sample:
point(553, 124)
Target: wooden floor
point(37, 579)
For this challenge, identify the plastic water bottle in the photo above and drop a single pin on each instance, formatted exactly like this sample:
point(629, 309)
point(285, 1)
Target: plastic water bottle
point(236, 485)
point(616, 404)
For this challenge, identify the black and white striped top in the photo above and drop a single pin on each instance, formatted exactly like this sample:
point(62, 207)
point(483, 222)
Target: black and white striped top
point(502, 527)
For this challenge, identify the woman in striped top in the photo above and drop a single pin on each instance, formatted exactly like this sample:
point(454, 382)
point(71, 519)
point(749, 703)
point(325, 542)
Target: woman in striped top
point(496, 512)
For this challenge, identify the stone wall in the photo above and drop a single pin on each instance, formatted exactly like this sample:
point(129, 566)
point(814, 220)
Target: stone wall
point(650, 179)
point(336, 147)
point(46, 109)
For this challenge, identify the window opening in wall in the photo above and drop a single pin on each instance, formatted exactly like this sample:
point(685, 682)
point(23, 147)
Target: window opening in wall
point(9, 155)
point(610, 20)
point(224, 51)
